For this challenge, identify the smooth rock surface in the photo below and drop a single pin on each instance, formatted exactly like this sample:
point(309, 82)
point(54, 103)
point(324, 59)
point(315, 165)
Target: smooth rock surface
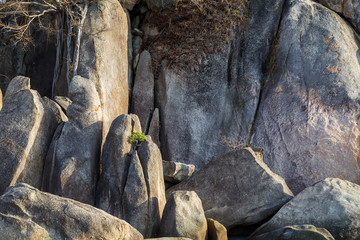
point(151, 161)
point(27, 213)
point(307, 119)
point(72, 162)
point(115, 162)
point(237, 188)
point(296, 232)
point(216, 231)
point(184, 217)
point(177, 172)
point(348, 8)
point(332, 204)
point(143, 91)
point(104, 58)
point(26, 129)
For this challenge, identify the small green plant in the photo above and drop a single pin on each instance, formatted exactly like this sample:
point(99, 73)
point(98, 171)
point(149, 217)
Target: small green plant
point(235, 12)
point(137, 137)
point(242, 105)
point(248, 144)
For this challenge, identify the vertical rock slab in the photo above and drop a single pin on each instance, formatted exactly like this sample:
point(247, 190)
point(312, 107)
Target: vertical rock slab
point(237, 188)
point(184, 217)
point(135, 197)
point(104, 58)
point(27, 213)
point(332, 204)
point(73, 158)
point(143, 92)
point(216, 231)
point(308, 117)
point(59, 114)
point(115, 163)
point(151, 162)
point(26, 129)
point(154, 127)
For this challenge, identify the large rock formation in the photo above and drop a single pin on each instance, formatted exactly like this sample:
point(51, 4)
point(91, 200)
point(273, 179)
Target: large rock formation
point(115, 162)
point(104, 57)
point(297, 232)
point(26, 129)
point(332, 204)
point(131, 184)
point(73, 158)
point(184, 217)
point(307, 119)
point(27, 213)
point(237, 188)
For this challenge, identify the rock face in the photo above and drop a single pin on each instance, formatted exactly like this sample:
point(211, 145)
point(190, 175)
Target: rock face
point(154, 127)
point(115, 162)
point(348, 8)
point(177, 172)
point(26, 129)
point(237, 188)
point(27, 213)
point(143, 91)
point(104, 58)
point(307, 118)
point(216, 231)
point(331, 204)
point(157, 5)
point(297, 232)
point(73, 157)
point(184, 217)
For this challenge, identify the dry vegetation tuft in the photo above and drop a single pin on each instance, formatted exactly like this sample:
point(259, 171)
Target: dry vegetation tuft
point(193, 29)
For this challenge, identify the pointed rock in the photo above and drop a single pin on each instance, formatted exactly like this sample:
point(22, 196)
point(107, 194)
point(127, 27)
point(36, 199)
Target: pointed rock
point(151, 162)
point(154, 127)
point(115, 162)
point(135, 197)
point(59, 114)
point(184, 217)
point(26, 129)
point(237, 188)
point(73, 158)
point(143, 91)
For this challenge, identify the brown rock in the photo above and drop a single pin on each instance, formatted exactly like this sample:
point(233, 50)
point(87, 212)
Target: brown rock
point(216, 230)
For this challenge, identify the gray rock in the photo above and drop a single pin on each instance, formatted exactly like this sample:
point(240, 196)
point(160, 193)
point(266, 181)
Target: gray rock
point(137, 43)
point(348, 8)
point(154, 127)
point(104, 58)
point(64, 102)
point(128, 4)
point(115, 162)
point(169, 238)
point(59, 114)
point(27, 213)
point(331, 204)
point(184, 217)
point(296, 232)
point(73, 157)
point(237, 188)
point(307, 118)
point(157, 5)
point(26, 129)
point(143, 91)
point(216, 231)
point(1, 99)
point(198, 108)
point(177, 172)
point(151, 162)
point(135, 197)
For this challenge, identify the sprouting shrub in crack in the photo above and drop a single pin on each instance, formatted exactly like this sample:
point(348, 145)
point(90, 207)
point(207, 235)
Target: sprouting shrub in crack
point(137, 138)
